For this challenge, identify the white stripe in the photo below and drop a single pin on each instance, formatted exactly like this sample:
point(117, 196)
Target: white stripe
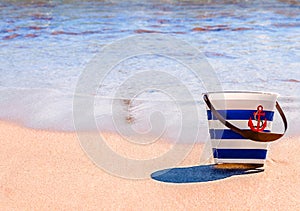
point(243, 96)
point(252, 161)
point(242, 124)
point(238, 144)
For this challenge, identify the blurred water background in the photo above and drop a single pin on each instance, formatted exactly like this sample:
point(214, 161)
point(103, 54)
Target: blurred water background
point(45, 46)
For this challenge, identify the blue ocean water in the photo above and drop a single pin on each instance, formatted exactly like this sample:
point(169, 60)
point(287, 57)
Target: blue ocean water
point(45, 46)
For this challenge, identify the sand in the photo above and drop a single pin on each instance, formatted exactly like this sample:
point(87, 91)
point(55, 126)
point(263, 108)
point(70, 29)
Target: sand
point(42, 170)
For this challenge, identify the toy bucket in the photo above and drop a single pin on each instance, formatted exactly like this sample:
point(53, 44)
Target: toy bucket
point(240, 125)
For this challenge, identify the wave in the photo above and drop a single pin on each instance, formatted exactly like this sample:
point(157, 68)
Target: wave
point(50, 109)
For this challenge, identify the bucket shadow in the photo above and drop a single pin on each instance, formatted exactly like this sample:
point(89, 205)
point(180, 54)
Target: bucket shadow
point(197, 174)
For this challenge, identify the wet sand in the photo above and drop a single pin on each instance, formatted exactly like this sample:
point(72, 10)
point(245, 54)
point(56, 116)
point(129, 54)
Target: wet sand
point(44, 170)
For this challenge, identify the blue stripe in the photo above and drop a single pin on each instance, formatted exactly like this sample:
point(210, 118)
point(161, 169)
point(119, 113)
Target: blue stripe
point(239, 114)
point(226, 134)
point(240, 153)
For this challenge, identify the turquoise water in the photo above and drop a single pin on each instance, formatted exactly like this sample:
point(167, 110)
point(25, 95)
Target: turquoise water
point(45, 46)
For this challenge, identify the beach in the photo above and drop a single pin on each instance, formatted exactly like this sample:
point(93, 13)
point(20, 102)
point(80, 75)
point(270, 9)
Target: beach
point(140, 68)
point(45, 170)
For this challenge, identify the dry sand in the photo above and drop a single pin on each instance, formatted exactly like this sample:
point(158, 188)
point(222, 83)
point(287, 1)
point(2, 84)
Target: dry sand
point(43, 170)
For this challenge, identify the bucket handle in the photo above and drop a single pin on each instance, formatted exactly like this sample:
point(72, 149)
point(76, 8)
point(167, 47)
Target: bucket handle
point(249, 134)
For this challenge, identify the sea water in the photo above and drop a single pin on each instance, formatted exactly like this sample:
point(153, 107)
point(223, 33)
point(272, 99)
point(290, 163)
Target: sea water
point(46, 45)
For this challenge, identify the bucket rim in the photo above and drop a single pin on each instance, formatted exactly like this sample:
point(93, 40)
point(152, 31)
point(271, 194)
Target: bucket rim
point(241, 92)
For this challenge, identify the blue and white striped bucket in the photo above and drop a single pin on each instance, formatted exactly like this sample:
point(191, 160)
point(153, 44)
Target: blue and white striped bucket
point(237, 108)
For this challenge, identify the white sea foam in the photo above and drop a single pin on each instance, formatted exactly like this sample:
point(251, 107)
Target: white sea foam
point(53, 110)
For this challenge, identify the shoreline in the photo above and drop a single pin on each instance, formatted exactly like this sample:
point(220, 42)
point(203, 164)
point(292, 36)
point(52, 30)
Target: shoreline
point(48, 170)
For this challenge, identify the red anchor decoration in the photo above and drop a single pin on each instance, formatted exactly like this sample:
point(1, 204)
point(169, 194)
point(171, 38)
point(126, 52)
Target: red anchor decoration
point(257, 116)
